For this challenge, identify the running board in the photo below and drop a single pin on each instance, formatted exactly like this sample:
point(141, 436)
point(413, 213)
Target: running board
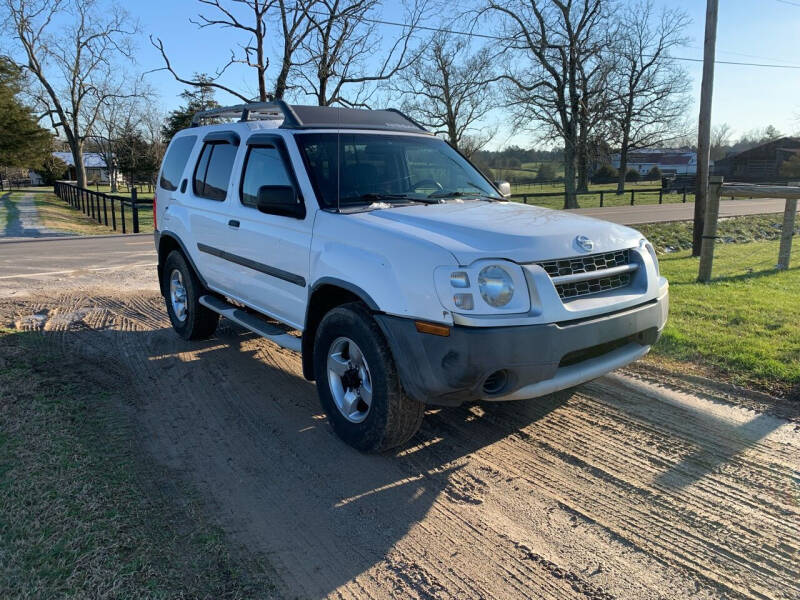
point(252, 322)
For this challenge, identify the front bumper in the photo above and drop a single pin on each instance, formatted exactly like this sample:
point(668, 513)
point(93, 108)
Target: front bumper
point(536, 359)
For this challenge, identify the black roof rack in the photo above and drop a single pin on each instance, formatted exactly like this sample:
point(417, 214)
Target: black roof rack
point(313, 117)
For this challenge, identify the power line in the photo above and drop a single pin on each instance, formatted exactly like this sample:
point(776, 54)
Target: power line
point(499, 38)
point(789, 2)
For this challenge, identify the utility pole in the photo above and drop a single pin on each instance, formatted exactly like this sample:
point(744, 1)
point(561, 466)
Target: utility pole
point(704, 125)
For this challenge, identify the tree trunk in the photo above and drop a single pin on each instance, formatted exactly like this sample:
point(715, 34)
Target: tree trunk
point(583, 159)
point(623, 167)
point(583, 168)
point(77, 156)
point(570, 199)
point(280, 83)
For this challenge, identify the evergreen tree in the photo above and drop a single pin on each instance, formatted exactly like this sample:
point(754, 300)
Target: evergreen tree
point(22, 143)
point(52, 169)
point(197, 99)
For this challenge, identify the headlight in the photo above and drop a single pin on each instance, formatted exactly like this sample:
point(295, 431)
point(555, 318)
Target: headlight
point(485, 287)
point(652, 252)
point(495, 285)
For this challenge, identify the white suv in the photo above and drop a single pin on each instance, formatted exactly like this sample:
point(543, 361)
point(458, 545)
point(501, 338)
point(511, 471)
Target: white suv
point(402, 275)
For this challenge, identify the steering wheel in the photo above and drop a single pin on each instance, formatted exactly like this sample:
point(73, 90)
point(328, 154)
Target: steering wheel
point(427, 183)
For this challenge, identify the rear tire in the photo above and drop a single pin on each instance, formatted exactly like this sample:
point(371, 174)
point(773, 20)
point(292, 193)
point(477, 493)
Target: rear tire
point(182, 290)
point(358, 384)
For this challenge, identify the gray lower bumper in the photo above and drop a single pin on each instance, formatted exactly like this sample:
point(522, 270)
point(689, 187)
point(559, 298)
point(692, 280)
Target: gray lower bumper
point(537, 359)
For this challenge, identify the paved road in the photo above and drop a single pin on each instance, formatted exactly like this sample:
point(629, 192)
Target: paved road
point(66, 262)
point(663, 213)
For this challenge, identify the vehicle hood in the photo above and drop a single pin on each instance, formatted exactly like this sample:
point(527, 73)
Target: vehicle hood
point(473, 230)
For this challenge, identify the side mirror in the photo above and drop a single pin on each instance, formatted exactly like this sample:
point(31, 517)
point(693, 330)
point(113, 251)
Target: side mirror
point(504, 187)
point(280, 200)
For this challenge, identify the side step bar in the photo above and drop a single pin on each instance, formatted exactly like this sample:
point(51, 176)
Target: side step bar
point(252, 322)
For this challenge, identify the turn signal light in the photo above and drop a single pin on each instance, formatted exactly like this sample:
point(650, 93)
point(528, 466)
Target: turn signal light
point(432, 328)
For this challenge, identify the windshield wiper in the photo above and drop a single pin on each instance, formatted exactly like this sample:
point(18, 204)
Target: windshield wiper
point(373, 197)
point(458, 194)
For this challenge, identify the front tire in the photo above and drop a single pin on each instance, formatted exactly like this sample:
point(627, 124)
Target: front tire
point(358, 384)
point(182, 290)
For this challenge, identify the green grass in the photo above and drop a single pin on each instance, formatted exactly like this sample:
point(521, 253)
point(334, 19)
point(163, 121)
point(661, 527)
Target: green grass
point(57, 214)
point(744, 323)
point(80, 513)
point(671, 237)
point(142, 192)
point(592, 200)
point(6, 207)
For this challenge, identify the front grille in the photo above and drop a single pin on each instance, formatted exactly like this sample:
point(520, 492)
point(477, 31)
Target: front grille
point(593, 286)
point(586, 264)
point(593, 263)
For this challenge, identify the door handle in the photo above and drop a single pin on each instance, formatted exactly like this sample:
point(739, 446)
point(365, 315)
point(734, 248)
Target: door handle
point(183, 185)
point(233, 223)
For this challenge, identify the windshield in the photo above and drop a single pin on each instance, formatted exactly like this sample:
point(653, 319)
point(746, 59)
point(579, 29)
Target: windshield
point(388, 168)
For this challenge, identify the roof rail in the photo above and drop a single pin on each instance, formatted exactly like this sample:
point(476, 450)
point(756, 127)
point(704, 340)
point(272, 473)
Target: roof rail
point(313, 117)
point(276, 109)
point(407, 118)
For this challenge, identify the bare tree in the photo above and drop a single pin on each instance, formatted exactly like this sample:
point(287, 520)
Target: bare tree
point(120, 115)
point(651, 88)
point(720, 140)
point(75, 64)
point(113, 118)
point(251, 18)
point(549, 44)
point(450, 91)
point(340, 65)
point(593, 117)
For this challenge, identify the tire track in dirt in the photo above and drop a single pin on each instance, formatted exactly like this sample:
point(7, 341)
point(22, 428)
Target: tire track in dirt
point(621, 490)
point(608, 507)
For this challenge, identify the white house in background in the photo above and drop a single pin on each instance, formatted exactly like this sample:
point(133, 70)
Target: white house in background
point(669, 162)
point(95, 163)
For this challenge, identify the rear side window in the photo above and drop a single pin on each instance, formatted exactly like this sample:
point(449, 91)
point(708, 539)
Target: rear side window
point(263, 166)
point(175, 162)
point(213, 170)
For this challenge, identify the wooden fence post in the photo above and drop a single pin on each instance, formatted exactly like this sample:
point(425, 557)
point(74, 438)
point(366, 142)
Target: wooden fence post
point(709, 229)
point(787, 231)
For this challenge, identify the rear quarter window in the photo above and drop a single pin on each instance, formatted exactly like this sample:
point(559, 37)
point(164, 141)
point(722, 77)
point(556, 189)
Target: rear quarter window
point(213, 170)
point(175, 162)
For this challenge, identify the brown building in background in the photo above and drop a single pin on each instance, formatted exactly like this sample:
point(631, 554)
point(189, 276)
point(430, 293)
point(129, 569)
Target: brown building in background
point(762, 163)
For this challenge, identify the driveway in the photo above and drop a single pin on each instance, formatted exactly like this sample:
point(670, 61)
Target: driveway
point(22, 220)
point(637, 486)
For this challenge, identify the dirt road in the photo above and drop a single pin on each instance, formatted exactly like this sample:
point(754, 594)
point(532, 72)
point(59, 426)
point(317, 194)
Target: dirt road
point(623, 489)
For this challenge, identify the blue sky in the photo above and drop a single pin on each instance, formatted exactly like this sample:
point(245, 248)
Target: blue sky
point(762, 31)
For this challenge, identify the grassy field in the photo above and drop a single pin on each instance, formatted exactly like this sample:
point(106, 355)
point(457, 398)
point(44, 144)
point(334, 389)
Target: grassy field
point(590, 200)
point(671, 237)
point(142, 193)
point(743, 324)
point(56, 214)
point(80, 516)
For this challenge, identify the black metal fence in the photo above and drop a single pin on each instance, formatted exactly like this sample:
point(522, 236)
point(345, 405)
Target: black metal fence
point(10, 184)
point(113, 211)
point(603, 193)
